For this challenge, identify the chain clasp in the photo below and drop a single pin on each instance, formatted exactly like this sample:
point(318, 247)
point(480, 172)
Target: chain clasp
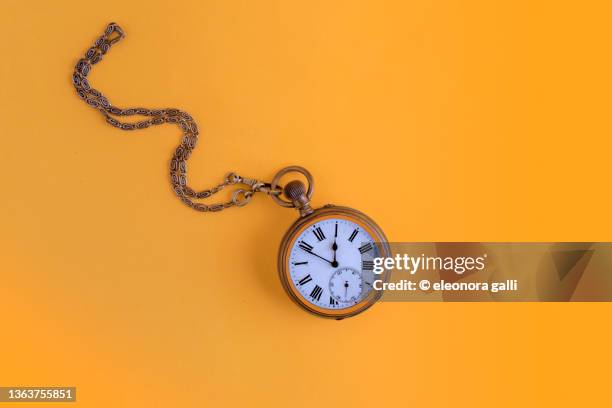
point(262, 187)
point(242, 197)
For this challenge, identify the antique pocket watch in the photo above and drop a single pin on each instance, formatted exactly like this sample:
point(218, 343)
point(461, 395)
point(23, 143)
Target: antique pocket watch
point(325, 260)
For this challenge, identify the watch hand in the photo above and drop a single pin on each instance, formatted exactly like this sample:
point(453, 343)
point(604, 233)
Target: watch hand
point(318, 256)
point(335, 248)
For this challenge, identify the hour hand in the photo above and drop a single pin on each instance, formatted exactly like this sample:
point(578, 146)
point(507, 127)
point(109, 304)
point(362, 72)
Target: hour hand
point(335, 249)
point(335, 246)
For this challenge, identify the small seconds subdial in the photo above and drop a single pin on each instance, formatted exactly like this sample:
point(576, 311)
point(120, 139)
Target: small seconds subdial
point(346, 285)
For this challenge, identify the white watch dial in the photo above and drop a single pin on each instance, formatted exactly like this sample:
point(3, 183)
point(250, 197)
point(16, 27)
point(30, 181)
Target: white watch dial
point(327, 252)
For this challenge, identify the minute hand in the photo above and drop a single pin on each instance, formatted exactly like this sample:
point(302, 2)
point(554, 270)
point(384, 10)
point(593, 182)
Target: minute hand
point(318, 256)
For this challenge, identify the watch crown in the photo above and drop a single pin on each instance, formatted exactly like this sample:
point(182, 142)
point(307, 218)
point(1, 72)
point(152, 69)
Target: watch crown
point(296, 191)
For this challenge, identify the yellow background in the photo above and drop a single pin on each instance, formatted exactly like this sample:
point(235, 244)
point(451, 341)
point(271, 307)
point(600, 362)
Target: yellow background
point(443, 120)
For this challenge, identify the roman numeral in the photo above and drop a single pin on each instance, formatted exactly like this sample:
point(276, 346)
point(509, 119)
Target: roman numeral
point(305, 246)
point(365, 248)
point(332, 301)
point(367, 265)
point(318, 232)
point(305, 280)
point(336, 231)
point(353, 235)
point(316, 293)
point(301, 263)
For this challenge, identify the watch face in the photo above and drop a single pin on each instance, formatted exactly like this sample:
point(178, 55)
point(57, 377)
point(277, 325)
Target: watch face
point(328, 263)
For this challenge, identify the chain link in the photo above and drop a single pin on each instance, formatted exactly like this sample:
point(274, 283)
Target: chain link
point(178, 163)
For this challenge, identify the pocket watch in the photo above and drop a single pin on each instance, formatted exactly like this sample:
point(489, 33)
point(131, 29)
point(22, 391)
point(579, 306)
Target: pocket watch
point(325, 260)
